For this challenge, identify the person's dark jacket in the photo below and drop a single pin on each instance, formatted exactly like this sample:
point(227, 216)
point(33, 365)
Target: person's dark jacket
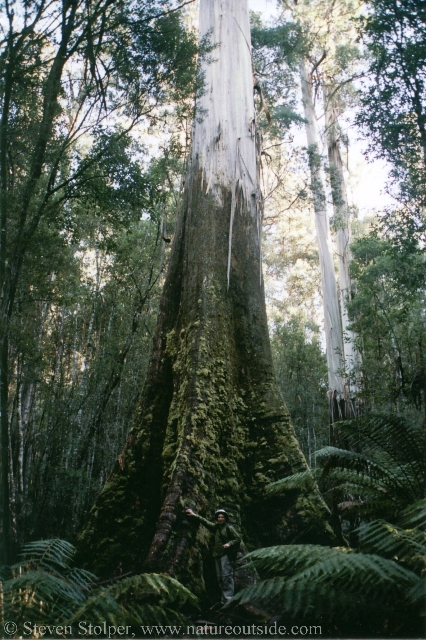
point(221, 535)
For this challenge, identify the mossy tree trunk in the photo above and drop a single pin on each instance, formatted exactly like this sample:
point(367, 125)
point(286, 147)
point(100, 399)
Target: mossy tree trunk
point(211, 429)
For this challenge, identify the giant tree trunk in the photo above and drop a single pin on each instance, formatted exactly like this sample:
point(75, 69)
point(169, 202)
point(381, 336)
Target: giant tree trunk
point(211, 429)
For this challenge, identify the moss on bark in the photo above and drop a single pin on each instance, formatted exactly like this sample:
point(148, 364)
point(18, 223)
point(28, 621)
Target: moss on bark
point(211, 429)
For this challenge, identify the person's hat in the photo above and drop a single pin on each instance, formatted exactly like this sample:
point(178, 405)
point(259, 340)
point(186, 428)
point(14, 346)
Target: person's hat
point(225, 513)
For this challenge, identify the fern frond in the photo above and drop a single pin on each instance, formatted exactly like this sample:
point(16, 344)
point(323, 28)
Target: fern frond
point(391, 541)
point(415, 515)
point(144, 599)
point(328, 572)
point(41, 593)
point(42, 585)
point(147, 584)
point(372, 507)
point(353, 481)
point(84, 579)
point(359, 573)
point(45, 589)
point(389, 477)
point(47, 554)
point(417, 593)
point(288, 559)
point(402, 441)
point(305, 599)
point(295, 481)
point(99, 606)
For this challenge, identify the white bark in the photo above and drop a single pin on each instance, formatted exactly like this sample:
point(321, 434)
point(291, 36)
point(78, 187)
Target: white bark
point(224, 142)
point(343, 233)
point(332, 318)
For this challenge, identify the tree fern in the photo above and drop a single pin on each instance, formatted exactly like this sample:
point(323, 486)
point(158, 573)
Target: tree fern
point(43, 588)
point(351, 472)
point(415, 515)
point(334, 583)
point(144, 599)
point(393, 542)
point(48, 554)
point(378, 471)
point(385, 475)
point(417, 595)
point(295, 481)
point(400, 439)
point(393, 443)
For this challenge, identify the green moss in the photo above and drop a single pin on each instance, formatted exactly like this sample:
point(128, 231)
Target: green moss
point(223, 435)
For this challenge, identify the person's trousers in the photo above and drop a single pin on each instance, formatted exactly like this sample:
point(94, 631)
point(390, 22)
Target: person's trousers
point(225, 578)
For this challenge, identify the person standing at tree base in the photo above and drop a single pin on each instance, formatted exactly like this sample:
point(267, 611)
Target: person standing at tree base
point(226, 543)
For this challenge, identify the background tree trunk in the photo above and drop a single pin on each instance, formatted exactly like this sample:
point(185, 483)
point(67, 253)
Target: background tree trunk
point(338, 392)
point(343, 238)
point(211, 429)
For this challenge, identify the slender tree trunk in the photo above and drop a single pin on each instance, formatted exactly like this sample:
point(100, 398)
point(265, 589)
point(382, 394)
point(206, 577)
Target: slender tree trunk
point(6, 537)
point(75, 354)
point(343, 239)
point(7, 550)
point(211, 428)
point(338, 392)
point(93, 427)
point(12, 254)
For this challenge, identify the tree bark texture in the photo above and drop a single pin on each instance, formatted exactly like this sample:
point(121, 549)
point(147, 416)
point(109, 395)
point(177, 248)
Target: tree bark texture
point(211, 429)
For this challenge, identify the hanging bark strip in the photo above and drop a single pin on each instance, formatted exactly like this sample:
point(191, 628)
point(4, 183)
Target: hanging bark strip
point(211, 429)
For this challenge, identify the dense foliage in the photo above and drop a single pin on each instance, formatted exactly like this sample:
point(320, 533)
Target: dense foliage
point(376, 586)
point(302, 374)
point(393, 104)
point(387, 312)
point(44, 595)
point(79, 190)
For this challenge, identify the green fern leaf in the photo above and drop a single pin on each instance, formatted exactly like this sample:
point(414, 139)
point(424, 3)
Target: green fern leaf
point(415, 515)
point(322, 572)
point(391, 541)
point(417, 593)
point(295, 481)
point(403, 442)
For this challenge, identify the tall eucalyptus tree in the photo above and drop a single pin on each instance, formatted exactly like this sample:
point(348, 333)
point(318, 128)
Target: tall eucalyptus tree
point(338, 392)
point(211, 428)
point(343, 236)
point(327, 53)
